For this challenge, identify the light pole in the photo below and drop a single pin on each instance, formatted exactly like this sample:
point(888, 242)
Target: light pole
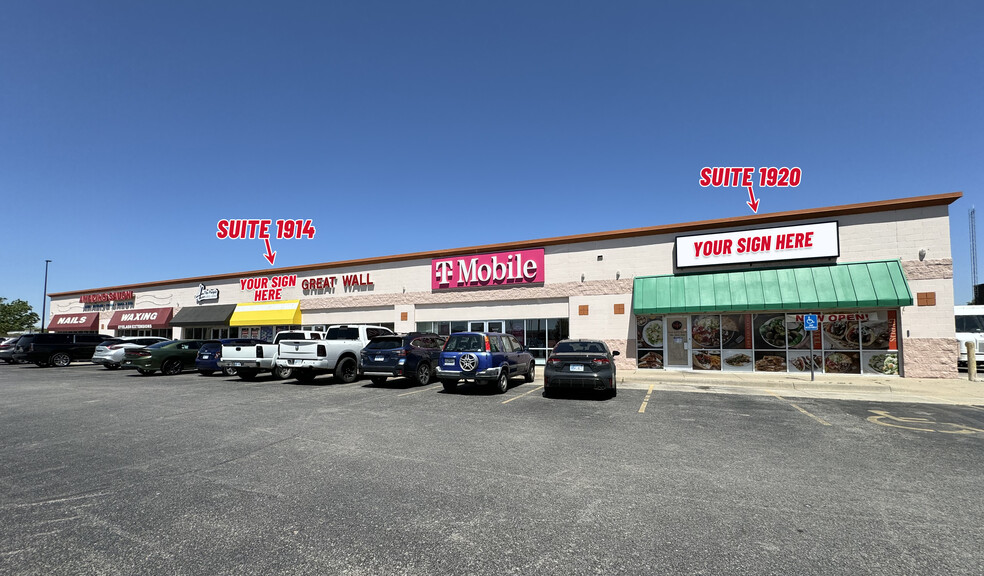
point(45, 299)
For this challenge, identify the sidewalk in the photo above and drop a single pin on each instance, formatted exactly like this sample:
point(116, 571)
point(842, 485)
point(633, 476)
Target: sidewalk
point(839, 387)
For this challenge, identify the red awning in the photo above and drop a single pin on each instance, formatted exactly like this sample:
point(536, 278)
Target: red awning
point(87, 322)
point(147, 318)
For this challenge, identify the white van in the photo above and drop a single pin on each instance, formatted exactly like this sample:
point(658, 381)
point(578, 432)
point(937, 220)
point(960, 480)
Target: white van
point(970, 328)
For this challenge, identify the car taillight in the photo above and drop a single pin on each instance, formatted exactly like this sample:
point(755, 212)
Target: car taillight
point(401, 354)
point(137, 353)
point(488, 347)
point(554, 361)
point(218, 353)
point(600, 361)
point(30, 347)
point(259, 351)
point(322, 351)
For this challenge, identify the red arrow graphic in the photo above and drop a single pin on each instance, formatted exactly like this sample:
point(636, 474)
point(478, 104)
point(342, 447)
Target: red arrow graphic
point(270, 255)
point(752, 202)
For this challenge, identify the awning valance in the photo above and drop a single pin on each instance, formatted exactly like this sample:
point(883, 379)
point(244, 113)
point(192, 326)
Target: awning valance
point(879, 284)
point(154, 318)
point(200, 316)
point(74, 322)
point(279, 313)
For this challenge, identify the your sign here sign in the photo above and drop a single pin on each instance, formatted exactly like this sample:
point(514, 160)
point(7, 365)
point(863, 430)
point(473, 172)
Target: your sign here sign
point(759, 245)
point(482, 270)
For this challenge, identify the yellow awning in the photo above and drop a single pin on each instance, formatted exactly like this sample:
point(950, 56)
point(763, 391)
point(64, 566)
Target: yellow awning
point(279, 313)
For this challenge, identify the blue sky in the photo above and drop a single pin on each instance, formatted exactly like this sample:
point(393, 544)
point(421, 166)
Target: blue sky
point(128, 129)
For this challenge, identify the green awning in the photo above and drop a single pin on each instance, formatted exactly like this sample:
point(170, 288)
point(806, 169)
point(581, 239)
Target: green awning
point(879, 284)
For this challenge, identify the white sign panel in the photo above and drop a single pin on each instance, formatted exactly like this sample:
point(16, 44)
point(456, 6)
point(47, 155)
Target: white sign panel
point(758, 245)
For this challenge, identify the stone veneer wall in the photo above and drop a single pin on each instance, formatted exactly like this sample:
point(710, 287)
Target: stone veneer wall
point(930, 357)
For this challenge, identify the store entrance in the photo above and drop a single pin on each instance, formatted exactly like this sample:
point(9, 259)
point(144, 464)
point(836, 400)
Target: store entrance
point(678, 342)
point(487, 326)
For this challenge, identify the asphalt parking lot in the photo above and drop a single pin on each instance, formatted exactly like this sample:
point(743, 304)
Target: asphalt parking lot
point(115, 473)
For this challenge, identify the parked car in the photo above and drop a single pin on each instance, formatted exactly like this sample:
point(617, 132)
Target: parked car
point(7, 349)
point(484, 358)
point(57, 349)
point(110, 352)
point(209, 355)
point(413, 355)
point(170, 357)
point(580, 365)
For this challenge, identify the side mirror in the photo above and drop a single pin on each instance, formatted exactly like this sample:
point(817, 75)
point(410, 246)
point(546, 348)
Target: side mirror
point(615, 353)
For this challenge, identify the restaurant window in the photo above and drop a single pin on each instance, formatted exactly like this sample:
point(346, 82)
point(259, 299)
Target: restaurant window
point(860, 342)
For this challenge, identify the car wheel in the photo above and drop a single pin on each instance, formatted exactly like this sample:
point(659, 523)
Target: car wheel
point(247, 374)
point(502, 382)
point(547, 392)
point(230, 371)
point(423, 374)
point(205, 372)
point(282, 372)
point(377, 379)
point(60, 360)
point(145, 372)
point(346, 371)
point(531, 372)
point(449, 385)
point(304, 375)
point(171, 367)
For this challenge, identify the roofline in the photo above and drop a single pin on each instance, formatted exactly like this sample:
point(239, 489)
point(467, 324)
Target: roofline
point(807, 214)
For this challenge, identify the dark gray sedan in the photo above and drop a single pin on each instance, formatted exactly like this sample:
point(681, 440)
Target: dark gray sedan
point(580, 365)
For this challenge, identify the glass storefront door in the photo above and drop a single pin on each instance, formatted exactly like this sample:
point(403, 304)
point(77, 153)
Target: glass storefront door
point(486, 326)
point(677, 342)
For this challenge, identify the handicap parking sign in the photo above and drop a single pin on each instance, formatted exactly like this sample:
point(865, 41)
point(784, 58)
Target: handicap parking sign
point(810, 322)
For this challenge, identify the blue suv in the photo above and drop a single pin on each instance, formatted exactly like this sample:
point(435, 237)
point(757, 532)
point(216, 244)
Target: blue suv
point(484, 358)
point(207, 360)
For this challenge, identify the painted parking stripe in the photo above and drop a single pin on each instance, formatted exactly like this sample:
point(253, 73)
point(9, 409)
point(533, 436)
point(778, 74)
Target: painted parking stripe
point(432, 388)
point(521, 395)
point(645, 401)
point(794, 405)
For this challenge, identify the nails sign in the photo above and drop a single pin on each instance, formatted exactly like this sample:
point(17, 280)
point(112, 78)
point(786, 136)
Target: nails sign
point(253, 229)
point(741, 177)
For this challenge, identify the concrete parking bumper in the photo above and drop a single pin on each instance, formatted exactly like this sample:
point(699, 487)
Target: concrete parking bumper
point(841, 387)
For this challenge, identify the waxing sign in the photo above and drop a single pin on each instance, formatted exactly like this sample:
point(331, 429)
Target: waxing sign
point(759, 245)
point(482, 270)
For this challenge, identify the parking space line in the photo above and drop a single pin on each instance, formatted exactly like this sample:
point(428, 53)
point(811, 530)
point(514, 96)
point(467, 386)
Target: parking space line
point(521, 395)
point(645, 401)
point(794, 405)
point(419, 391)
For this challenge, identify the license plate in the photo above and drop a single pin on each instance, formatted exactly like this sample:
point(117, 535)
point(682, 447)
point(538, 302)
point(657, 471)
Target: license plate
point(205, 356)
point(577, 368)
point(237, 363)
point(449, 361)
point(378, 358)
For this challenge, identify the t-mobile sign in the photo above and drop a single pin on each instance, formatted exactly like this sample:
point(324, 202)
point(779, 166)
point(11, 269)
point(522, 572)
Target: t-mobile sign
point(482, 270)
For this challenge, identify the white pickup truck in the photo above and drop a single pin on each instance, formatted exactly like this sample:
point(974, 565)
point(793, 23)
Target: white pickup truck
point(337, 353)
point(250, 360)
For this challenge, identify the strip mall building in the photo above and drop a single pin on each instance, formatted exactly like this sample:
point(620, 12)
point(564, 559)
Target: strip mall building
point(728, 295)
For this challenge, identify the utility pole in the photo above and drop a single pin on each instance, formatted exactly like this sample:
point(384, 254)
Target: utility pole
point(45, 299)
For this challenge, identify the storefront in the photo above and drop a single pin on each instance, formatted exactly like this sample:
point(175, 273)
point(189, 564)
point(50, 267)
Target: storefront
point(147, 322)
point(754, 320)
point(726, 295)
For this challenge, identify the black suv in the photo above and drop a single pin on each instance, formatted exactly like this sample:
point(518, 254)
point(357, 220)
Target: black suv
point(413, 355)
point(57, 349)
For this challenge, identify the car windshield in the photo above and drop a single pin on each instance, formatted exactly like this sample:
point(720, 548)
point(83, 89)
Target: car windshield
point(211, 346)
point(970, 324)
point(385, 343)
point(580, 347)
point(465, 343)
point(162, 344)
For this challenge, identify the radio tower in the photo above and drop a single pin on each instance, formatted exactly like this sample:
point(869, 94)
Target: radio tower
point(973, 252)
